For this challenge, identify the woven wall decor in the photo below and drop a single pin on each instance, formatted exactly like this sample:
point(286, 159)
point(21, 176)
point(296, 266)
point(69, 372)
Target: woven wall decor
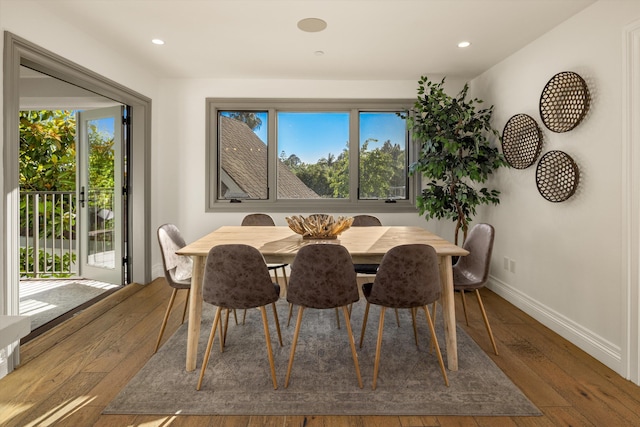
point(521, 141)
point(557, 176)
point(564, 102)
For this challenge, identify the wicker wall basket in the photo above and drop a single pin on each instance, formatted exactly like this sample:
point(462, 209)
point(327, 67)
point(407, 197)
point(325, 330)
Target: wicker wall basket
point(521, 141)
point(564, 102)
point(557, 176)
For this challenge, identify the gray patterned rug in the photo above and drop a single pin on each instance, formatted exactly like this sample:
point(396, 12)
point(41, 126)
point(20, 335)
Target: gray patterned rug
point(323, 380)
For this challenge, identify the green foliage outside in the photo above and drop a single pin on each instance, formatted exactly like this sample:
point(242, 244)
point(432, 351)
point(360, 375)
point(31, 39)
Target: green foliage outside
point(381, 169)
point(48, 163)
point(455, 155)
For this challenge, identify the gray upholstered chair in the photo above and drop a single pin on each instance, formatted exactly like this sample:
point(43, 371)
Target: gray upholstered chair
point(408, 277)
point(322, 277)
point(471, 272)
point(236, 277)
point(260, 219)
point(177, 269)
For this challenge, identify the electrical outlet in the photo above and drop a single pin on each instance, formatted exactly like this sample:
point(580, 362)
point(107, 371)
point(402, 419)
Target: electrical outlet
point(512, 266)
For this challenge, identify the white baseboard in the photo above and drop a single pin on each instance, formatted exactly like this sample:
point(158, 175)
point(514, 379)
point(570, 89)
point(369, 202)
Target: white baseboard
point(593, 344)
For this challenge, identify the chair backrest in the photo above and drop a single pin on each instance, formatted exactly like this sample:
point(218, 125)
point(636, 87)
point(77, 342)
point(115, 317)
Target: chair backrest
point(236, 276)
point(177, 268)
point(366, 221)
point(258, 219)
point(475, 266)
point(408, 276)
point(322, 276)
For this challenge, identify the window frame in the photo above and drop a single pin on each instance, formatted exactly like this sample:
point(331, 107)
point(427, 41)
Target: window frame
point(272, 204)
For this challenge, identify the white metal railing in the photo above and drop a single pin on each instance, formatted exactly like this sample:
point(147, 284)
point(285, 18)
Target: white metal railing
point(49, 230)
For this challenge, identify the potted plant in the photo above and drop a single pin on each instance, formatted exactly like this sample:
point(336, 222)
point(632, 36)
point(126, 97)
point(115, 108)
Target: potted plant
point(455, 154)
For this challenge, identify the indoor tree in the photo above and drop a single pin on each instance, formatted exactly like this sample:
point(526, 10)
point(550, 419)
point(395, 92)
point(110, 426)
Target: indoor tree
point(455, 155)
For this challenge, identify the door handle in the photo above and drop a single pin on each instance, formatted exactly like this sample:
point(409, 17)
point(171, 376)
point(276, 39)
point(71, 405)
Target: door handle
point(82, 199)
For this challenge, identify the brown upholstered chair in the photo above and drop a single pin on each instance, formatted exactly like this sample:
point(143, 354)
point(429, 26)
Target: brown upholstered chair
point(236, 277)
point(322, 277)
point(366, 221)
point(177, 269)
point(260, 219)
point(369, 221)
point(408, 277)
point(471, 272)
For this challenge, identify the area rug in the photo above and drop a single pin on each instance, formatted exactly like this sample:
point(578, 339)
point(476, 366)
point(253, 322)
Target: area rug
point(323, 380)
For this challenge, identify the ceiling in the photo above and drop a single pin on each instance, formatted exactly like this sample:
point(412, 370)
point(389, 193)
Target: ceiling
point(364, 39)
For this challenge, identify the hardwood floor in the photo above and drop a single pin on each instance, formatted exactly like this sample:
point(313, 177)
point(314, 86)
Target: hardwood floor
point(69, 374)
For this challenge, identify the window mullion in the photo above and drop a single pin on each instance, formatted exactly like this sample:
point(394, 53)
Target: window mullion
point(272, 150)
point(354, 155)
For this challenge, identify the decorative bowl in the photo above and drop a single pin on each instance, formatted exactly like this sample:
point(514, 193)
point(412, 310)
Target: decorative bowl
point(319, 226)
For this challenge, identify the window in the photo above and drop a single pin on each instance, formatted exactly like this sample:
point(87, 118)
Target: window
point(303, 156)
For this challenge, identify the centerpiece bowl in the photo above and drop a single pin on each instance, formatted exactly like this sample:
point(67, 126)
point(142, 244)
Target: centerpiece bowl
point(319, 226)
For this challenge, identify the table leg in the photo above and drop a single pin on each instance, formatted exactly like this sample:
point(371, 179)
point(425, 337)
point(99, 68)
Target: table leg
point(449, 312)
point(195, 312)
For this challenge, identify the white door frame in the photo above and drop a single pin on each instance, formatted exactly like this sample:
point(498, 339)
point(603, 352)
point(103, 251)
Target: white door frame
point(111, 272)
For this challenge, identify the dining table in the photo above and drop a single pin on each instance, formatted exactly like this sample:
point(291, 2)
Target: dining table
point(280, 244)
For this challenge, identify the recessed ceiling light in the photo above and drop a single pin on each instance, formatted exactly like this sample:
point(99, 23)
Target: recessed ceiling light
point(157, 41)
point(464, 44)
point(312, 25)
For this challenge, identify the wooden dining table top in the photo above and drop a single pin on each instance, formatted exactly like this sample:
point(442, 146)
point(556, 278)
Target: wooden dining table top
point(280, 243)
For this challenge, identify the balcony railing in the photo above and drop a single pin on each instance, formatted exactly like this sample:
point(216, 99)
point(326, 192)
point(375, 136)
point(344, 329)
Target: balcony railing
point(49, 230)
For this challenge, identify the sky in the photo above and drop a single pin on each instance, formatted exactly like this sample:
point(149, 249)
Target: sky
point(312, 136)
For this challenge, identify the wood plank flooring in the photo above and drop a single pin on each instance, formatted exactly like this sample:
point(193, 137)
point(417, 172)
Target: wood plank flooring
point(69, 374)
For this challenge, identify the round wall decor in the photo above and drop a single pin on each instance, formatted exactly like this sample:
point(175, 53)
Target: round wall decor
point(564, 102)
point(521, 141)
point(557, 176)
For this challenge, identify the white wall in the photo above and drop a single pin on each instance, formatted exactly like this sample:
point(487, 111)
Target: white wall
point(569, 256)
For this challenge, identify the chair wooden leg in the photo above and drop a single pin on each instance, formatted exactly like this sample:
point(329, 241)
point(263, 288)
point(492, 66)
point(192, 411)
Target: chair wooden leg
point(337, 318)
point(415, 327)
point(352, 343)
point(235, 316)
point(364, 323)
point(290, 314)
point(286, 281)
point(223, 342)
point(486, 322)
point(207, 353)
point(186, 305)
point(275, 316)
point(433, 311)
point(221, 327)
point(166, 318)
point(464, 306)
point(397, 318)
point(293, 346)
point(267, 338)
point(275, 275)
point(434, 339)
point(376, 365)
